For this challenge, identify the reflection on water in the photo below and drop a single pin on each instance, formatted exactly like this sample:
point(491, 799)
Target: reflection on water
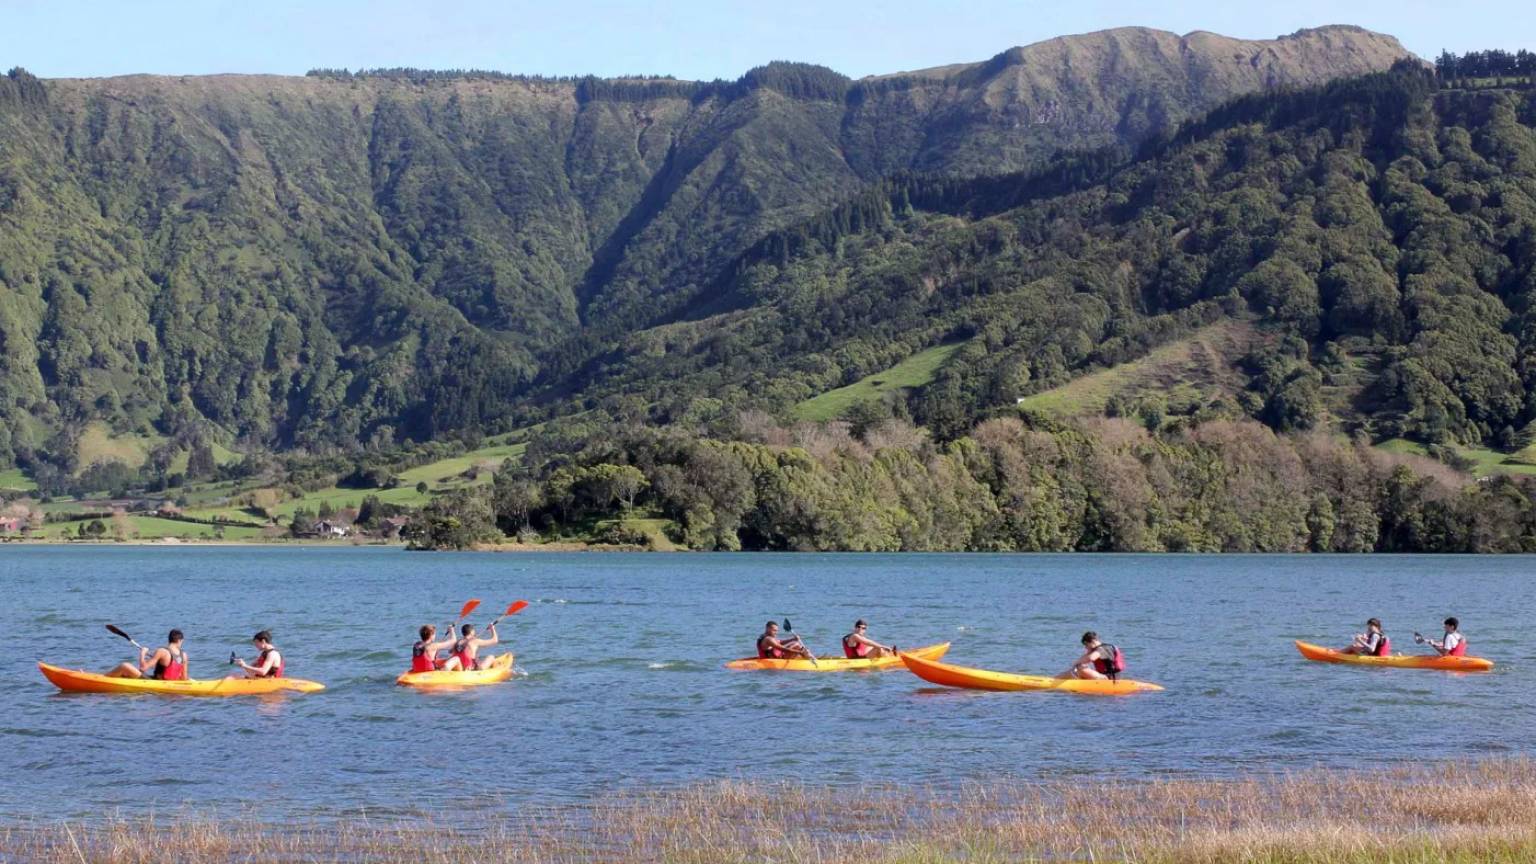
point(623, 685)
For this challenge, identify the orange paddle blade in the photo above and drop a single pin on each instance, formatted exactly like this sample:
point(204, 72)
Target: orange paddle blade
point(515, 608)
point(469, 607)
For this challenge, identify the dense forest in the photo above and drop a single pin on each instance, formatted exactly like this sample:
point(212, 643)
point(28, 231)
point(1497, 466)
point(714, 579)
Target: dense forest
point(360, 260)
point(1134, 325)
point(1105, 484)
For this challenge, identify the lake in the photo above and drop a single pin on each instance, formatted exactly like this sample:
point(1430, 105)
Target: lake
point(624, 685)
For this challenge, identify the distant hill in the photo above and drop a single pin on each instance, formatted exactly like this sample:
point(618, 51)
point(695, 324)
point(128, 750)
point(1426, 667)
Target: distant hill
point(345, 260)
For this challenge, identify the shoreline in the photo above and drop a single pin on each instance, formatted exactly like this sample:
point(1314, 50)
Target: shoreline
point(1475, 810)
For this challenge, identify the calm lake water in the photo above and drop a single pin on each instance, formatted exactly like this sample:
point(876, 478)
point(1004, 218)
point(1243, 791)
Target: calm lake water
point(624, 685)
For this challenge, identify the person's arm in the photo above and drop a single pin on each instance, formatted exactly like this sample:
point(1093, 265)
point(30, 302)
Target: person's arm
point(495, 638)
point(434, 647)
point(865, 640)
point(261, 671)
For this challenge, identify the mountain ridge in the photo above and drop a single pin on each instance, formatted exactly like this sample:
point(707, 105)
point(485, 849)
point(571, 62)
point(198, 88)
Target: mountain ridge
point(322, 261)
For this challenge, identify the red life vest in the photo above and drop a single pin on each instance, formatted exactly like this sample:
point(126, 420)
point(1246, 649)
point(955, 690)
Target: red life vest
point(1110, 666)
point(768, 653)
point(461, 651)
point(275, 671)
point(176, 670)
point(856, 650)
point(1460, 650)
point(420, 662)
point(1383, 647)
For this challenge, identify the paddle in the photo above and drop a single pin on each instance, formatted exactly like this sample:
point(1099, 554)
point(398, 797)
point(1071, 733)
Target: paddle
point(515, 608)
point(791, 630)
point(118, 631)
point(469, 607)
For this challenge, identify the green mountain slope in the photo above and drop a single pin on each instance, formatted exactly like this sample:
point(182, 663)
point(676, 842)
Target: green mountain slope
point(1380, 234)
point(341, 260)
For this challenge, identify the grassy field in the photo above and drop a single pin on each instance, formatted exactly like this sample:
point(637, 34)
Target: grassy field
point(1462, 812)
point(154, 528)
point(1485, 462)
point(915, 371)
point(1186, 369)
point(221, 456)
point(15, 481)
point(98, 444)
point(439, 476)
point(490, 456)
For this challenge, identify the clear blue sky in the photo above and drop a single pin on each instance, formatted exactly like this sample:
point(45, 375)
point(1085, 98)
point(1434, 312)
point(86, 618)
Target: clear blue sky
point(688, 38)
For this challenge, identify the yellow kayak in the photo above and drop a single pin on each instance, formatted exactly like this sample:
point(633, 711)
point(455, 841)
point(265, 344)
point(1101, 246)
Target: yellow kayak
point(951, 675)
point(80, 681)
point(497, 670)
point(1397, 661)
point(836, 664)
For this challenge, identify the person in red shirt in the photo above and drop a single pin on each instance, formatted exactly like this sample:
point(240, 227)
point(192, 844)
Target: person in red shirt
point(424, 653)
point(858, 645)
point(167, 663)
point(269, 663)
point(769, 646)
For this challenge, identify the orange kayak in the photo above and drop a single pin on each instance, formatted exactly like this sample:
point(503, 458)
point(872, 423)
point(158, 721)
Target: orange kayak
point(951, 675)
point(836, 664)
point(80, 681)
point(497, 670)
point(1395, 661)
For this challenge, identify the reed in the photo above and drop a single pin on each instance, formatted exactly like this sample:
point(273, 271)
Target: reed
point(1439, 812)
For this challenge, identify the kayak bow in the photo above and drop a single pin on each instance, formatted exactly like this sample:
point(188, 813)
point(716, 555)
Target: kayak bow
point(1395, 661)
point(80, 681)
point(835, 664)
point(951, 675)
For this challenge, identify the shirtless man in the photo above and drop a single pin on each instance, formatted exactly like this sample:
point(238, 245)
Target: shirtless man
point(770, 647)
point(466, 651)
point(858, 646)
point(269, 662)
point(167, 663)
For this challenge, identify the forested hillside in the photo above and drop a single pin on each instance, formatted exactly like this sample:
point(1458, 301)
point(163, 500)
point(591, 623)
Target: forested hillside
point(353, 260)
point(1378, 236)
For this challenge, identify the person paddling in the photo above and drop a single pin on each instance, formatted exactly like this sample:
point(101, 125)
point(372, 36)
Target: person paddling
point(769, 647)
point(269, 661)
point(1099, 660)
point(424, 653)
point(1373, 642)
point(858, 646)
point(167, 663)
point(466, 651)
point(1453, 645)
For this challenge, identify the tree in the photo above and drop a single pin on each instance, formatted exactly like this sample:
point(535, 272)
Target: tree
point(516, 497)
point(200, 462)
point(455, 521)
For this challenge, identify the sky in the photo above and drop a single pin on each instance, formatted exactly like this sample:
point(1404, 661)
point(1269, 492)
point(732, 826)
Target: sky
point(690, 39)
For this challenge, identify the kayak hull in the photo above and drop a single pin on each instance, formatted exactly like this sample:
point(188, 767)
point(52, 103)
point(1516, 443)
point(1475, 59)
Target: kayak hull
point(836, 664)
point(1395, 661)
point(500, 670)
point(967, 678)
point(80, 681)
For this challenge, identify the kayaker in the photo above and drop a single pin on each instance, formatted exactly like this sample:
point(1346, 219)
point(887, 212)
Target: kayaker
point(1372, 642)
point(167, 663)
point(769, 646)
point(466, 651)
point(269, 662)
point(424, 653)
point(857, 645)
point(1453, 645)
point(1099, 661)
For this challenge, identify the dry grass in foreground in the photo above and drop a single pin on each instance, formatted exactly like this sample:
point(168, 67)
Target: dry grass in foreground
point(1456, 812)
